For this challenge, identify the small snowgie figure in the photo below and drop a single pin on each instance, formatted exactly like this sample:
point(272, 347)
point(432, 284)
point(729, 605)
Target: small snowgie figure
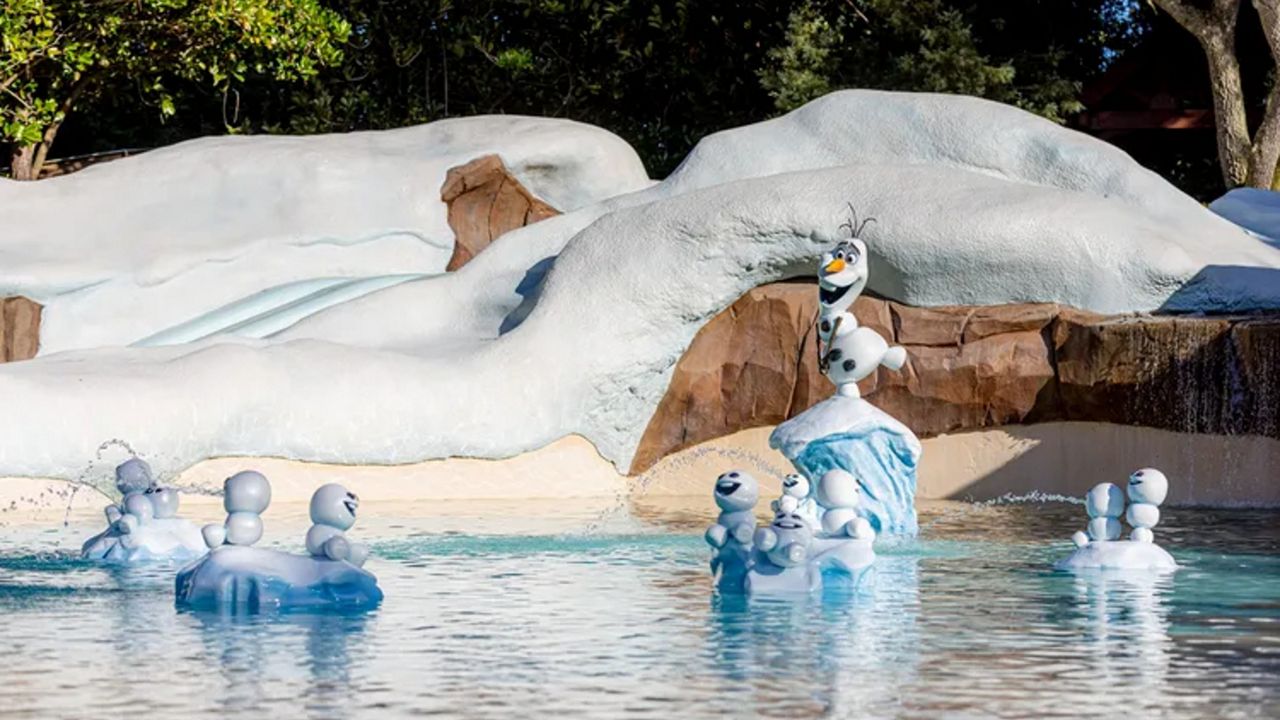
point(245, 496)
point(333, 510)
point(1105, 505)
point(796, 499)
point(736, 494)
point(787, 542)
point(145, 524)
point(1147, 488)
point(133, 477)
point(840, 497)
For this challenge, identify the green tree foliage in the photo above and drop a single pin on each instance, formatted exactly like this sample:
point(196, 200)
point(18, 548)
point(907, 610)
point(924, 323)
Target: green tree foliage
point(59, 54)
point(661, 73)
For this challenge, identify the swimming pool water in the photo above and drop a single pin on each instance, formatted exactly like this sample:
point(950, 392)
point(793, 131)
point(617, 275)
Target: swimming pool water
point(528, 617)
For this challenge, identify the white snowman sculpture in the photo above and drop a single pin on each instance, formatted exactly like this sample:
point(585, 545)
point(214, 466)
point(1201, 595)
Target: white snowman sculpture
point(333, 510)
point(797, 498)
point(840, 498)
point(787, 541)
point(145, 524)
point(1147, 488)
point(736, 494)
point(1100, 545)
point(245, 496)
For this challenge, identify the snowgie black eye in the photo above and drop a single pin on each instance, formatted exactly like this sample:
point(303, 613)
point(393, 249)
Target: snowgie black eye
point(733, 474)
point(849, 365)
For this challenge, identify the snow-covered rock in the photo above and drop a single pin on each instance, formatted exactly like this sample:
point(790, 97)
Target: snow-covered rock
point(123, 251)
point(255, 579)
point(573, 324)
point(1253, 209)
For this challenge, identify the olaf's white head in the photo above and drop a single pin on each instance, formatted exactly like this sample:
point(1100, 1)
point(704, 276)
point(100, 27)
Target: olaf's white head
point(736, 491)
point(1148, 486)
point(842, 275)
point(333, 505)
point(838, 489)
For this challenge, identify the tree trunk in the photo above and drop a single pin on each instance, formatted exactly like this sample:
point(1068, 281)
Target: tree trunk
point(21, 161)
point(1215, 29)
point(1265, 153)
point(1229, 117)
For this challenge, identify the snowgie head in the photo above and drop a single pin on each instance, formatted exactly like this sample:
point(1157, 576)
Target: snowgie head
point(333, 505)
point(1104, 500)
point(794, 540)
point(838, 489)
point(795, 485)
point(133, 476)
point(164, 499)
point(737, 491)
point(247, 491)
point(1148, 486)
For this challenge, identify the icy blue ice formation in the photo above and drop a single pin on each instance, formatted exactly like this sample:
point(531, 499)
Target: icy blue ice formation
point(249, 579)
point(851, 434)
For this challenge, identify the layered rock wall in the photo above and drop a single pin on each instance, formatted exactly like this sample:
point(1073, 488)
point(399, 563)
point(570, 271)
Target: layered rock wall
point(973, 367)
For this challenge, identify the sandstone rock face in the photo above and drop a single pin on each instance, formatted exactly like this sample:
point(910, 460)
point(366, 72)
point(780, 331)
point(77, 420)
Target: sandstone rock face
point(972, 367)
point(485, 201)
point(19, 328)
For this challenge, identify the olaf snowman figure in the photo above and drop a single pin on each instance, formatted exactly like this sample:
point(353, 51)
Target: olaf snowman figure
point(333, 510)
point(840, 497)
point(854, 354)
point(1147, 488)
point(245, 496)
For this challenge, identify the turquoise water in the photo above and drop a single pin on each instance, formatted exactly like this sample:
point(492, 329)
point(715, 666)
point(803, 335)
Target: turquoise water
point(534, 619)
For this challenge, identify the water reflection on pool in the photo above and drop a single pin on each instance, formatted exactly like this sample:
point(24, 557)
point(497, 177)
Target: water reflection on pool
point(489, 614)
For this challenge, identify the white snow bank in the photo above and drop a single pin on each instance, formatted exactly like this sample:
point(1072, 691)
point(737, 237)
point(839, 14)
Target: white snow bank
point(1118, 555)
point(1253, 209)
point(573, 325)
point(125, 250)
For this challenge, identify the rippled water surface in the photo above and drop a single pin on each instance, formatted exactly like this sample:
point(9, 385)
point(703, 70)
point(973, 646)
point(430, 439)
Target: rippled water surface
point(494, 614)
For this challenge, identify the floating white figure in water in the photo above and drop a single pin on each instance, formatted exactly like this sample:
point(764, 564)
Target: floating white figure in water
point(238, 577)
point(245, 496)
point(796, 498)
point(839, 496)
point(333, 510)
point(1105, 505)
point(1147, 488)
point(145, 525)
point(1101, 546)
point(787, 541)
point(736, 494)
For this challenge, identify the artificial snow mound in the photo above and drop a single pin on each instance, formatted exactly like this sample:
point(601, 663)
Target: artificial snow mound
point(1253, 209)
point(573, 324)
point(124, 250)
